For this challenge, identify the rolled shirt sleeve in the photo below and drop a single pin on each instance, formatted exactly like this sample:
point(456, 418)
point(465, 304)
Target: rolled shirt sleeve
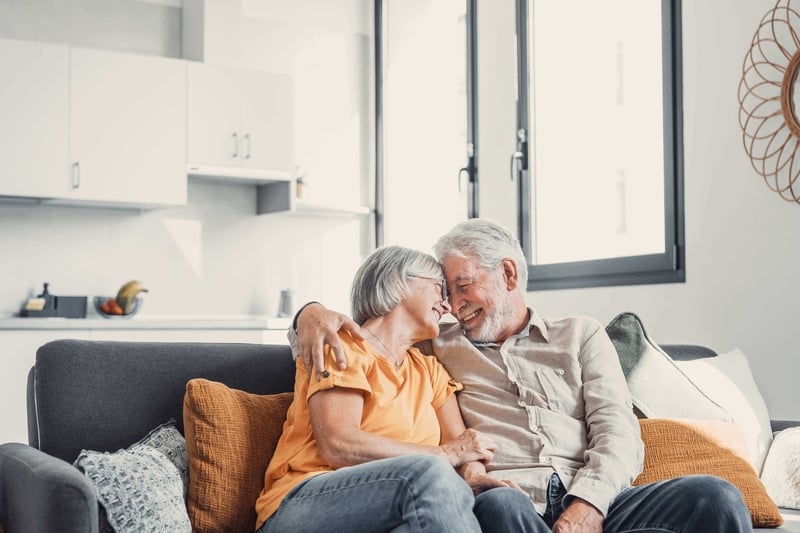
point(615, 452)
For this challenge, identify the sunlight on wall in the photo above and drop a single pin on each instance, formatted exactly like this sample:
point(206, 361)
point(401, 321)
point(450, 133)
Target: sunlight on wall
point(188, 238)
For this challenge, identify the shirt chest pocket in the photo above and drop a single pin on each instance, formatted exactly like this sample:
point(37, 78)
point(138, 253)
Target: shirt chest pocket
point(562, 394)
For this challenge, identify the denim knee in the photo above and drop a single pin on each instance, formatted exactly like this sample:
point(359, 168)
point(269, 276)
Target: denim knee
point(442, 500)
point(714, 496)
point(507, 510)
point(435, 473)
point(721, 494)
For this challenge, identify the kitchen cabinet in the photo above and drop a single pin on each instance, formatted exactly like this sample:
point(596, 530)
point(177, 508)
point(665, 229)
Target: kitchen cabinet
point(127, 128)
point(34, 100)
point(239, 123)
point(92, 127)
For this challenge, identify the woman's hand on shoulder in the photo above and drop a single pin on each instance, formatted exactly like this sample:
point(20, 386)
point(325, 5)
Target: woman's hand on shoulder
point(471, 445)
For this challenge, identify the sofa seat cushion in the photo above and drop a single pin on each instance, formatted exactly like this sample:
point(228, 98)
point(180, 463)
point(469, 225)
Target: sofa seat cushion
point(676, 448)
point(230, 437)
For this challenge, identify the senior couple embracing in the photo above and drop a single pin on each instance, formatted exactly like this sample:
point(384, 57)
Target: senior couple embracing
point(377, 440)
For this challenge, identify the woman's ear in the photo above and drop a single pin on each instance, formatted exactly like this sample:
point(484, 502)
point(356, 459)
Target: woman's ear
point(510, 273)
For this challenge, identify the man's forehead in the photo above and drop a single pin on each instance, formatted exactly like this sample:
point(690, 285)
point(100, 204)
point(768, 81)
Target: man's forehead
point(458, 268)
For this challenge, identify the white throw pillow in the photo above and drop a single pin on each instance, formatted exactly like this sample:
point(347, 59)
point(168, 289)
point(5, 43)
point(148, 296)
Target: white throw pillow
point(727, 380)
point(781, 474)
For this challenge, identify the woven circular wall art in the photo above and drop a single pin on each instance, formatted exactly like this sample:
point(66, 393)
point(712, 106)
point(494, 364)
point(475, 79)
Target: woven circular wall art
point(771, 131)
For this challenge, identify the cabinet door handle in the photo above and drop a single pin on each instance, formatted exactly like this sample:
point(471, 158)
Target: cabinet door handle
point(248, 145)
point(235, 145)
point(76, 174)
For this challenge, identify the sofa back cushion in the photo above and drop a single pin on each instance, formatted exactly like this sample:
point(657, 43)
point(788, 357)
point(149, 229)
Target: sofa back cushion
point(103, 395)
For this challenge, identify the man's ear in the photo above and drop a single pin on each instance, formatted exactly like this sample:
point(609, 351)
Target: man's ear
point(510, 273)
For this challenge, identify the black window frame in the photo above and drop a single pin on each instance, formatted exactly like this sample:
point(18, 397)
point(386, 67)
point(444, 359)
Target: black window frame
point(666, 267)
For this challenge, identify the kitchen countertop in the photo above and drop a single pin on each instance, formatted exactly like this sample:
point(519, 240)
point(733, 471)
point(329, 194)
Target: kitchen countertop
point(150, 322)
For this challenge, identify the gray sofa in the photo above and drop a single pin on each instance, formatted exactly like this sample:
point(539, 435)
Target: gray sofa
point(102, 395)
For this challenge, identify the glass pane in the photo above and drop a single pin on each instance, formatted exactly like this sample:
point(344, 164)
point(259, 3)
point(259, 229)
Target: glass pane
point(425, 119)
point(597, 147)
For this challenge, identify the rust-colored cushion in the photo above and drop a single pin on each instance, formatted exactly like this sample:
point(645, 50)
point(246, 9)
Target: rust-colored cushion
point(230, 437)
point(675, 447)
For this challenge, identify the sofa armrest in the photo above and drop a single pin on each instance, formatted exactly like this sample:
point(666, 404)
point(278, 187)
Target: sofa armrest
point(779, 425)
point(40, 493)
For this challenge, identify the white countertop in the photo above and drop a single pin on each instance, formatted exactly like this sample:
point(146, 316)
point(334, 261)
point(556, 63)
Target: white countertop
point(150, 322)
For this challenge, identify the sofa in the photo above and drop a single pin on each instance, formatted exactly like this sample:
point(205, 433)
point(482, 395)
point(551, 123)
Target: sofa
point(103, 396)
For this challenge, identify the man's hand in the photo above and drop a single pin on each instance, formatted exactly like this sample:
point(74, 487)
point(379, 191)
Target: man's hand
point(318, 326)
point(579, 516)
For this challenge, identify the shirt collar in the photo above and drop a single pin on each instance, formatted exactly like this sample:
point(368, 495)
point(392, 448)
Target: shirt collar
point(534, 321)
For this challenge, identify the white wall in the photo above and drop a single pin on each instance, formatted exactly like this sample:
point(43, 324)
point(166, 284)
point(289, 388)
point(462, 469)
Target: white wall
point(742, 244)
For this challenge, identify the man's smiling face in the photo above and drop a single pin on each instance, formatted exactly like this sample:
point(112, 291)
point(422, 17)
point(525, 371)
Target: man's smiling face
point(480, 298)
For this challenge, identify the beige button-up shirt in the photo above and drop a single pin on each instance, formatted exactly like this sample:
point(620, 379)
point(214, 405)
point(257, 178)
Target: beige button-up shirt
point(555, 399)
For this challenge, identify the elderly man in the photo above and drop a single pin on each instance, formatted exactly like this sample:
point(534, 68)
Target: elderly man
point(553, 396)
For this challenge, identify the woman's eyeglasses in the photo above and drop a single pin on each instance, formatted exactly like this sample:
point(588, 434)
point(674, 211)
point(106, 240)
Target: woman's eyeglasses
point(441, 282)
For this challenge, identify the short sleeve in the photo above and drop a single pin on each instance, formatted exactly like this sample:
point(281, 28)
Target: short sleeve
point(352, 377)
point(442, 383)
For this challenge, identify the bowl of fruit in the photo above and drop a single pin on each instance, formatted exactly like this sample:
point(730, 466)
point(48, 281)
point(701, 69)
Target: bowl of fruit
point(125, 304)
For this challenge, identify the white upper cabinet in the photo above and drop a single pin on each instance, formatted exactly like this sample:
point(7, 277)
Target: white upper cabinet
point(239, 123)
point(267, 119)
point(127, 128)
point(33, 119)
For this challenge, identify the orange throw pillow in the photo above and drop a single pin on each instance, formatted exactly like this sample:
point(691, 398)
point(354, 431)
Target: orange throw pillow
point(230, 437)
point(676, 447)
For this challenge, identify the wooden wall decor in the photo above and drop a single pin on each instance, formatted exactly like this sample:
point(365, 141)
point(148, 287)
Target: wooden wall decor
point(768, 98)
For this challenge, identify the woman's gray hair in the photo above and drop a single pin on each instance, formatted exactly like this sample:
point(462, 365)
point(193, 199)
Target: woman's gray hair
point(485, 241)
point(381, 281)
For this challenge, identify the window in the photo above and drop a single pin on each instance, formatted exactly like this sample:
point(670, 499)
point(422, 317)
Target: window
point(599, 142)
point(426, 155)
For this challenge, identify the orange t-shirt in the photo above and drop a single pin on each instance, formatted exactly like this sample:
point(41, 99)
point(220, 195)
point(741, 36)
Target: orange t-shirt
point(399, 405)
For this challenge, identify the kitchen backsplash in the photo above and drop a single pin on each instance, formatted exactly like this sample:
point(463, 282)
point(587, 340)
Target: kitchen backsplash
point(211, 257)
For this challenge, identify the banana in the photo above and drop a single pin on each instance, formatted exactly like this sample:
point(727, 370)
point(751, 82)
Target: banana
point(127, 295)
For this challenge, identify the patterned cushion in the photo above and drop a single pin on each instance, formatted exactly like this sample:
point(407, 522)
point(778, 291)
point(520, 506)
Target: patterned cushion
point(142, 488)
point(781, 473)
point(230, 436)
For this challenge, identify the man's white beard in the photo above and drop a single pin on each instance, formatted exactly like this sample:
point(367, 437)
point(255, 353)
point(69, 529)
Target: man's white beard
point(493, 324)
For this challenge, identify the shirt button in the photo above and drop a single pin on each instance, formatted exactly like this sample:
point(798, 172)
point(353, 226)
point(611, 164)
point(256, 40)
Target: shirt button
point(560, 371)
point(521, 403)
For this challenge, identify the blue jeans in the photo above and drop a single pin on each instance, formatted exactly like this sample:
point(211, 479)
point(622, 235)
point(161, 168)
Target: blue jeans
point(689, 504)
point(409, 493)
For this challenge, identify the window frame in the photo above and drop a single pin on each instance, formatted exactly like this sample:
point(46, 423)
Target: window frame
point(666, 267)
point(470, 169)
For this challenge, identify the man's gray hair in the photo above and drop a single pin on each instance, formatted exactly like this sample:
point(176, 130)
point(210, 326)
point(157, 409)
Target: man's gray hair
point(381, 281)
point(485, 241)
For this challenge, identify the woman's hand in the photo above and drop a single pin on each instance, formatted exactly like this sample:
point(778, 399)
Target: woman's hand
point(469, 446)
point(474, 473)
point(318, 326)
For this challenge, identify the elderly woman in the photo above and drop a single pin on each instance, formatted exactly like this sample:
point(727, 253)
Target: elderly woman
point(375, 447)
